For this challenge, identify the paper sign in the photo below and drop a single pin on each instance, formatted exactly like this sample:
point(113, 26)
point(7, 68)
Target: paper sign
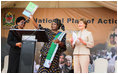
point(74, 38)
point(30, 9)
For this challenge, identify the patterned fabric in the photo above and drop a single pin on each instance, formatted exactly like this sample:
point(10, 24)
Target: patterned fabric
point(54, 68)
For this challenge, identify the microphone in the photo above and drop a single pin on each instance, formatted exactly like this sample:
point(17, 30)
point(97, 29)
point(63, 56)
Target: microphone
point(26, 21)
point(40, 27)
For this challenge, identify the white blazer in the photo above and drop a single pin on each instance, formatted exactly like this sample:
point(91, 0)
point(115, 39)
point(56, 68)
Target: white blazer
point(87, 37)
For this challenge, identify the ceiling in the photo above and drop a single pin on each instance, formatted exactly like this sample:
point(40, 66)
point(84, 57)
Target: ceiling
point(61, 4)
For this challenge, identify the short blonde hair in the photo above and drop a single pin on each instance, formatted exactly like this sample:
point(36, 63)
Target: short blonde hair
point(84, 21)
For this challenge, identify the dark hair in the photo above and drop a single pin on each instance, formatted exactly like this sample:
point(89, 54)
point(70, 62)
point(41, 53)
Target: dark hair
point(58, 22)
point(63, 54)
point(84, 21)
point(19, 19)
point(111, 35)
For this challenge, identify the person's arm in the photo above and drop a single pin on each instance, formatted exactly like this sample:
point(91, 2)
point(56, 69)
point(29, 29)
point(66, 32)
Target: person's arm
point(82, 41)
point(10, 39)
point(62, 43)
point(73, 46)
point(19, 44)
point(71, 42)
point(33, 21)
point(11, 42)
point(59, 42)
point(90, 42)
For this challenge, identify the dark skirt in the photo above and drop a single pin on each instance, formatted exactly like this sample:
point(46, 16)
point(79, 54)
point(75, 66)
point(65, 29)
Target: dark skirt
point(13, 65)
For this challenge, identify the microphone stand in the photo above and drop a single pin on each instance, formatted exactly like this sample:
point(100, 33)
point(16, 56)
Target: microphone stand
point(15, 26)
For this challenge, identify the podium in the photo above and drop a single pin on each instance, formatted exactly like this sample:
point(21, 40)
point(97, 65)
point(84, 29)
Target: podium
point(29, 38)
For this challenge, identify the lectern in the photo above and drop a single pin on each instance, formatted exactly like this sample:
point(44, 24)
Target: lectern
point(29, 39)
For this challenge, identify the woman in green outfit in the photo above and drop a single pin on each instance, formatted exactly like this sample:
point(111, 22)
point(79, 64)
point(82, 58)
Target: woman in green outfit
point(48, 47)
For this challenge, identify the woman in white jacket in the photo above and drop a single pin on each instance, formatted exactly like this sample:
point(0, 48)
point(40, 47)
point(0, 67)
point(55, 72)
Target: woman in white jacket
point(81, 48)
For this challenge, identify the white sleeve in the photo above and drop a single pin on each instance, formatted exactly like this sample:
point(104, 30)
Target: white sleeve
point(90, 42)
